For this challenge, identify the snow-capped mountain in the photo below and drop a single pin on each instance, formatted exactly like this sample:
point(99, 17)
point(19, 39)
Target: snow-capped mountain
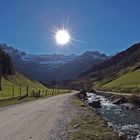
point(94, 54)
point(11, 50)
point(48, 67)
point(52, 61)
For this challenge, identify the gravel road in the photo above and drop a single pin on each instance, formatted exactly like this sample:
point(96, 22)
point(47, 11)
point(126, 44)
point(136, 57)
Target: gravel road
point(43, 119)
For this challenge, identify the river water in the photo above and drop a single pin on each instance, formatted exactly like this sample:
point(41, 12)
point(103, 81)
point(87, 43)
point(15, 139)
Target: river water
point(120, 118)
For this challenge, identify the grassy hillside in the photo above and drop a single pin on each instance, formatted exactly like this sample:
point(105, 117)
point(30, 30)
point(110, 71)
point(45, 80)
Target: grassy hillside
point(118, 73)
point(18, 81)
point(17, 84)
point(130, 80)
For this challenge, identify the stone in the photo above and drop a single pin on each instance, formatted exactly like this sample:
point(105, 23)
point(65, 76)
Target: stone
point(122, 136)
point(95, 104)
point(119, 101)
point(83, 106)
point(128, 106)
point(76, 126)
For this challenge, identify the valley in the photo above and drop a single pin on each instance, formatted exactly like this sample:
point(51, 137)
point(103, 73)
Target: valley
point(69, 70)
point(111, 78)
point(56, 67)
point(119, 73)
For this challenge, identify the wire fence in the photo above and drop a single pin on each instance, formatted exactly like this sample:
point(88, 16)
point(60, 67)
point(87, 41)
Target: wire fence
point(21, 91)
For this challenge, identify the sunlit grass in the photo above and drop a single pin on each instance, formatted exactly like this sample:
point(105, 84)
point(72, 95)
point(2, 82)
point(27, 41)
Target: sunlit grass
point(16, 85)
point(130, 80)
point(128, 83)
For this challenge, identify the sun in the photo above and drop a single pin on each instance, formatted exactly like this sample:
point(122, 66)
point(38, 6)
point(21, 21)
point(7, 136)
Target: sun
point(62, 37)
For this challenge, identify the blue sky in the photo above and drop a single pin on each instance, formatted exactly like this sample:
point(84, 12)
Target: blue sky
point(108, 26)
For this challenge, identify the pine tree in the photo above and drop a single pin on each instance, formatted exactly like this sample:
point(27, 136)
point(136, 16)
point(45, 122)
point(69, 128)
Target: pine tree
point(6, 65)
point(1, 58)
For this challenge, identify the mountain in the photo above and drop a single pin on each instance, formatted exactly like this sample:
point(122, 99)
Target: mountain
point(94, 54)
point(51, 61)
point(122, 60)
point(117, 68)
point(11, 80)
point(55, 67)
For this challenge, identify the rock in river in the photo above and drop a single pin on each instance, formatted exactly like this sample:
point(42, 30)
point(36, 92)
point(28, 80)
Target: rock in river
point(119, 101)
point(128, 106)
point(122, 136)
point(95, 104)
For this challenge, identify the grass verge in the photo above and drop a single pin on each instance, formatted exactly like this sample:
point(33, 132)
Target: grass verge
point(88, 125)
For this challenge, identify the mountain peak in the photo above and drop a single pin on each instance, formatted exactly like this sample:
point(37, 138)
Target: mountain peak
point(94, 54)
point(91, 53)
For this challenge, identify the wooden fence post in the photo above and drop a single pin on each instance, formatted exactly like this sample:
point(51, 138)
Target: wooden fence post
point(46, 93)
point(20, 90)
point(27, 90)
point(53, 92)
point(43, 93)
point(13, 91)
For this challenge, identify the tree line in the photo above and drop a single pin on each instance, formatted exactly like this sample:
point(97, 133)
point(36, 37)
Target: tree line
point(6, 65)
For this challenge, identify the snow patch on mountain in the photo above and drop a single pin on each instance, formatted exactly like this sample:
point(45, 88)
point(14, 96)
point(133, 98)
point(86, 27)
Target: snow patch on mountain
point(54, 60)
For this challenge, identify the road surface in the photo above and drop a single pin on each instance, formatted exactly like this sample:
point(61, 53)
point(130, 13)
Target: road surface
point(34, 120)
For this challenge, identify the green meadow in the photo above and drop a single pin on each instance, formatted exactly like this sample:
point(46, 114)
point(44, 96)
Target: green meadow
point(16, 85)
point(128, 81)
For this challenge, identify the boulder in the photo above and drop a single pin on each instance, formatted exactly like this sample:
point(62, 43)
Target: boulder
point(128, 106)
point(97, 98)
point(92, 91)
point(119, 101)
point(110, 124)
point(123, 136)
point(135, 100)
point(76, 126)
point(95, 104)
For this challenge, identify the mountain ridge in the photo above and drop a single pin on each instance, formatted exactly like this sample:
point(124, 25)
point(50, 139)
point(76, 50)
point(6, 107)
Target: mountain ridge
point(124, 56)
point(114, 68)
point(48, 67)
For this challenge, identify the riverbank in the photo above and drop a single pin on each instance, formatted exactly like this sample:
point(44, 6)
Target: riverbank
point(86, 124)
point(121, 97)
point(122, 117)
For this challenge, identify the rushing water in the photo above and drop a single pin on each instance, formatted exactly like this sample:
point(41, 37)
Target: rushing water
point(119, 117)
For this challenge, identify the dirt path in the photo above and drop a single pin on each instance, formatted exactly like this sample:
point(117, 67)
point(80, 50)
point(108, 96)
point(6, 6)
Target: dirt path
point(36, 120)
point(115, 93)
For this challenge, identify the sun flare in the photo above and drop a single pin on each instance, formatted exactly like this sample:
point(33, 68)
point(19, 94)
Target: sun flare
point(62, 37)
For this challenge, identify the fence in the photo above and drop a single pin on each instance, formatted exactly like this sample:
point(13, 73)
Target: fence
point(21, 91)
